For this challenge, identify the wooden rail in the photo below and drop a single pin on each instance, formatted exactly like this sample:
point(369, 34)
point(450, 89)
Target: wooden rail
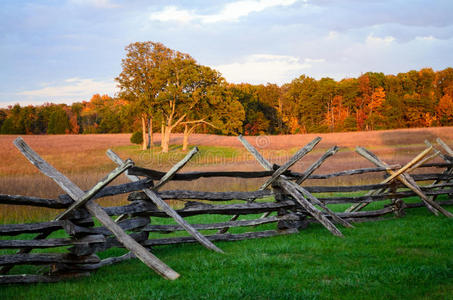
point(287, 204)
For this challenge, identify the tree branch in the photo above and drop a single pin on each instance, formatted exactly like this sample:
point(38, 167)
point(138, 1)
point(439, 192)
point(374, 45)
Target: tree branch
point(199, 122)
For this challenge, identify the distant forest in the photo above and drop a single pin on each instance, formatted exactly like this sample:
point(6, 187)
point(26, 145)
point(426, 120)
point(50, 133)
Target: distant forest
point(372, 101)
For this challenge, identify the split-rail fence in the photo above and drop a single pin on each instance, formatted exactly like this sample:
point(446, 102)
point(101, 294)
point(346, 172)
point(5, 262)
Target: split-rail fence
point(281, 200)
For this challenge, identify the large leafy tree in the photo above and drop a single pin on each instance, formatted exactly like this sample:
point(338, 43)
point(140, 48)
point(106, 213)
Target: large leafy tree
point(188, 95)
point(217, 108)
point(142, 79)
point(270, 96)
point(336, 114)
point(3, 117)
point(170, 85)
point(375, 107)
point(304, 112)
point(260, 115)
point(58, 121)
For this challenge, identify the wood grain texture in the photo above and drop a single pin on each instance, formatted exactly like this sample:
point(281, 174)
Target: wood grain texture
point(407, 181)
point(76, 193)
point(294, 159)
point(96, 188)
point(50, 243)
point(220, 237)
point(317, 164)
point(46, 259)
point(167, 209)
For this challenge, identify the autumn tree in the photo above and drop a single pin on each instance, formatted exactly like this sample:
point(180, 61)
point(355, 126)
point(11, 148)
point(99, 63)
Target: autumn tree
point(271, 96)
point(374, 108)
point(306, 103)
point(185, 98)
point(301, 109)
point(3, 117)
point(218, 109)
point(27, 120)
point(111, 114)
point(349, 91)
point(143, 79)
point(290, 116)
point(159, 80)
point(415, 110)
point(443, 82)
point(336, 114)
point(393, 108)
point(444, 109)
point(362, 100)
point(325, 93)
point(75, 119)
point(260, 113)
point(58, 121)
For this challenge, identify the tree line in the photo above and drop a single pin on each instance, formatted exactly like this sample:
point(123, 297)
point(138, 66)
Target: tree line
point(168, 91)
point(102, 114)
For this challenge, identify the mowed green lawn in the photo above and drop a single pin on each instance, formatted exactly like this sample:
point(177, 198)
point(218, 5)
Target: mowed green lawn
point(397, 258)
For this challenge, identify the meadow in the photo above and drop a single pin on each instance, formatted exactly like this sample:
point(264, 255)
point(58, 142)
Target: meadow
point(397, 258)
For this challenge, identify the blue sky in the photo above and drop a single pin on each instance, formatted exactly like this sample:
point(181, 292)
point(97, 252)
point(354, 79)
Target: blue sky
point(66, 51)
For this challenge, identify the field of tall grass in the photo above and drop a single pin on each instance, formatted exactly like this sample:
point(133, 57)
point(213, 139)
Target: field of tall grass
point(82, 158)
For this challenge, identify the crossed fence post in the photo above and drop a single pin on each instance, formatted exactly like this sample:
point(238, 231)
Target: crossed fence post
point(82, 199)
point(162, 204)
point(414, 163)
point(302, 196)
point(404, 178)
point(448, 159)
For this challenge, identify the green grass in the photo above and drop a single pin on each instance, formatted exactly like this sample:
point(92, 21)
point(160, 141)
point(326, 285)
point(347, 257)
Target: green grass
point(206, 155)
point(398, 258)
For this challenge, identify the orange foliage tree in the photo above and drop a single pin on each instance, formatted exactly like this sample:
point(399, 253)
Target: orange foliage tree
point(444, 110)
point(362, 101)
point(336, 114)
point(374, 108)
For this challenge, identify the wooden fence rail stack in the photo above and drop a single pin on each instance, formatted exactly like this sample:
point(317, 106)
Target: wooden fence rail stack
point(281, 199)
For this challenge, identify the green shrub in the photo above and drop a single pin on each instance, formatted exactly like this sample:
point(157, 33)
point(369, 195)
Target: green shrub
point(137, 137)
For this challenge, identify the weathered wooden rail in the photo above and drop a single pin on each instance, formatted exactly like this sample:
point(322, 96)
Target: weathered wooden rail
point(280, 200)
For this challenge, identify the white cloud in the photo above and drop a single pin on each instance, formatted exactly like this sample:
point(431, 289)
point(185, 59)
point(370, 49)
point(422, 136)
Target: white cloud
point(314, 60)
point(263, 68)
point(72, 89)
point(371, 39)
point(230, 12)
point(172, 13)
point(426, 38)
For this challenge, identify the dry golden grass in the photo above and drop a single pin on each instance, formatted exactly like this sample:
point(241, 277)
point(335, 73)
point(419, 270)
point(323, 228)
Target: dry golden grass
point(68, 153)
point(75, 154)
point(82, 158)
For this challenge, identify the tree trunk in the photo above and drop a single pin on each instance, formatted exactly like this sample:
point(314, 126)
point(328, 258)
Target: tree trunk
point(185, 140)
point(143, 133)
point(280, 115)
point(162, 130)
point(150, 133)
point(166, 138)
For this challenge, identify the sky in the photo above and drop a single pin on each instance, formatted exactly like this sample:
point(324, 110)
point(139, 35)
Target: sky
point(66, 51)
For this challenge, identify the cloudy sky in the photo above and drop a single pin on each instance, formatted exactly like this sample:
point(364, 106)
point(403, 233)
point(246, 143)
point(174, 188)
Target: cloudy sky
point(66, 51)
